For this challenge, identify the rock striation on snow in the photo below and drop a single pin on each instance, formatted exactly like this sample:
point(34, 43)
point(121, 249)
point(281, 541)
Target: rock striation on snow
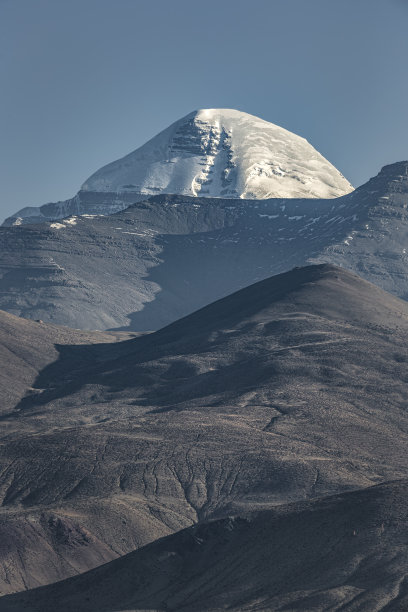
point(219, 153)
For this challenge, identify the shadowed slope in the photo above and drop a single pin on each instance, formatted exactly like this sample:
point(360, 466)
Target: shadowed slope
point(347, 553)
point(27, 347)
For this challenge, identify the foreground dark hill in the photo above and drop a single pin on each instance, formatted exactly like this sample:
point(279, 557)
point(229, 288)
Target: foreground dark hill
point(166, 257)
point(348, 552)
point(291, 389)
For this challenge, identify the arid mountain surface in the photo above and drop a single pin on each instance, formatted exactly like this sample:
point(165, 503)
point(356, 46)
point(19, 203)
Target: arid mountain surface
point(27, 347)
point(347, 552)
point(292, 389)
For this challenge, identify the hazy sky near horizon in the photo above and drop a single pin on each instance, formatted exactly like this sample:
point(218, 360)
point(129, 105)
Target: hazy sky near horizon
point(85, 82)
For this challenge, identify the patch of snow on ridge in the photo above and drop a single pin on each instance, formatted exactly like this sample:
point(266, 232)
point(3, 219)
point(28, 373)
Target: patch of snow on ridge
point(71, 221)
point(64, 223)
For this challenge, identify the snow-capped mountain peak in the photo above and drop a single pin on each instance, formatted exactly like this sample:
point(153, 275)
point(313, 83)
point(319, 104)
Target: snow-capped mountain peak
point(223, 153)
point(213, 152)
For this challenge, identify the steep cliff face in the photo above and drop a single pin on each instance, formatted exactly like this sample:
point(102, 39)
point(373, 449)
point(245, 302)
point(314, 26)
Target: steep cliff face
point(220, 153)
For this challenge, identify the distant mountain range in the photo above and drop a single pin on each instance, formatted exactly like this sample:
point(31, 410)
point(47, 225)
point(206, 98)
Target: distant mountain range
point(221, 153)
point(164, 257)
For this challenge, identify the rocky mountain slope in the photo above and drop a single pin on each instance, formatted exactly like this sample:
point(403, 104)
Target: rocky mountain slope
point(347, 552)
point(163, 258)
point(27, 347)
point(291, 389)
point(209, 153)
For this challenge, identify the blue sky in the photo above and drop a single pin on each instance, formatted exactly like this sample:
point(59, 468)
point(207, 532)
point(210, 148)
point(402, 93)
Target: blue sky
point(86, 81)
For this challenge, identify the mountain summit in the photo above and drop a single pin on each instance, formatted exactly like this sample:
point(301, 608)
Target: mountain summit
point(222, 153)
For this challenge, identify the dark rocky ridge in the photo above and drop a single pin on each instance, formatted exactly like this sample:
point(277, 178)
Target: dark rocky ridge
point(348, 552)
point(163, 258)
point(291, 389)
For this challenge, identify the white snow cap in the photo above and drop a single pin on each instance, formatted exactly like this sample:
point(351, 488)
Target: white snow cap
point(223, 153)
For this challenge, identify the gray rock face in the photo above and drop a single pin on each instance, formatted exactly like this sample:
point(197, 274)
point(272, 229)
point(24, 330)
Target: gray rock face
point(376, 245)
point(292, 389)
point(165, 257)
